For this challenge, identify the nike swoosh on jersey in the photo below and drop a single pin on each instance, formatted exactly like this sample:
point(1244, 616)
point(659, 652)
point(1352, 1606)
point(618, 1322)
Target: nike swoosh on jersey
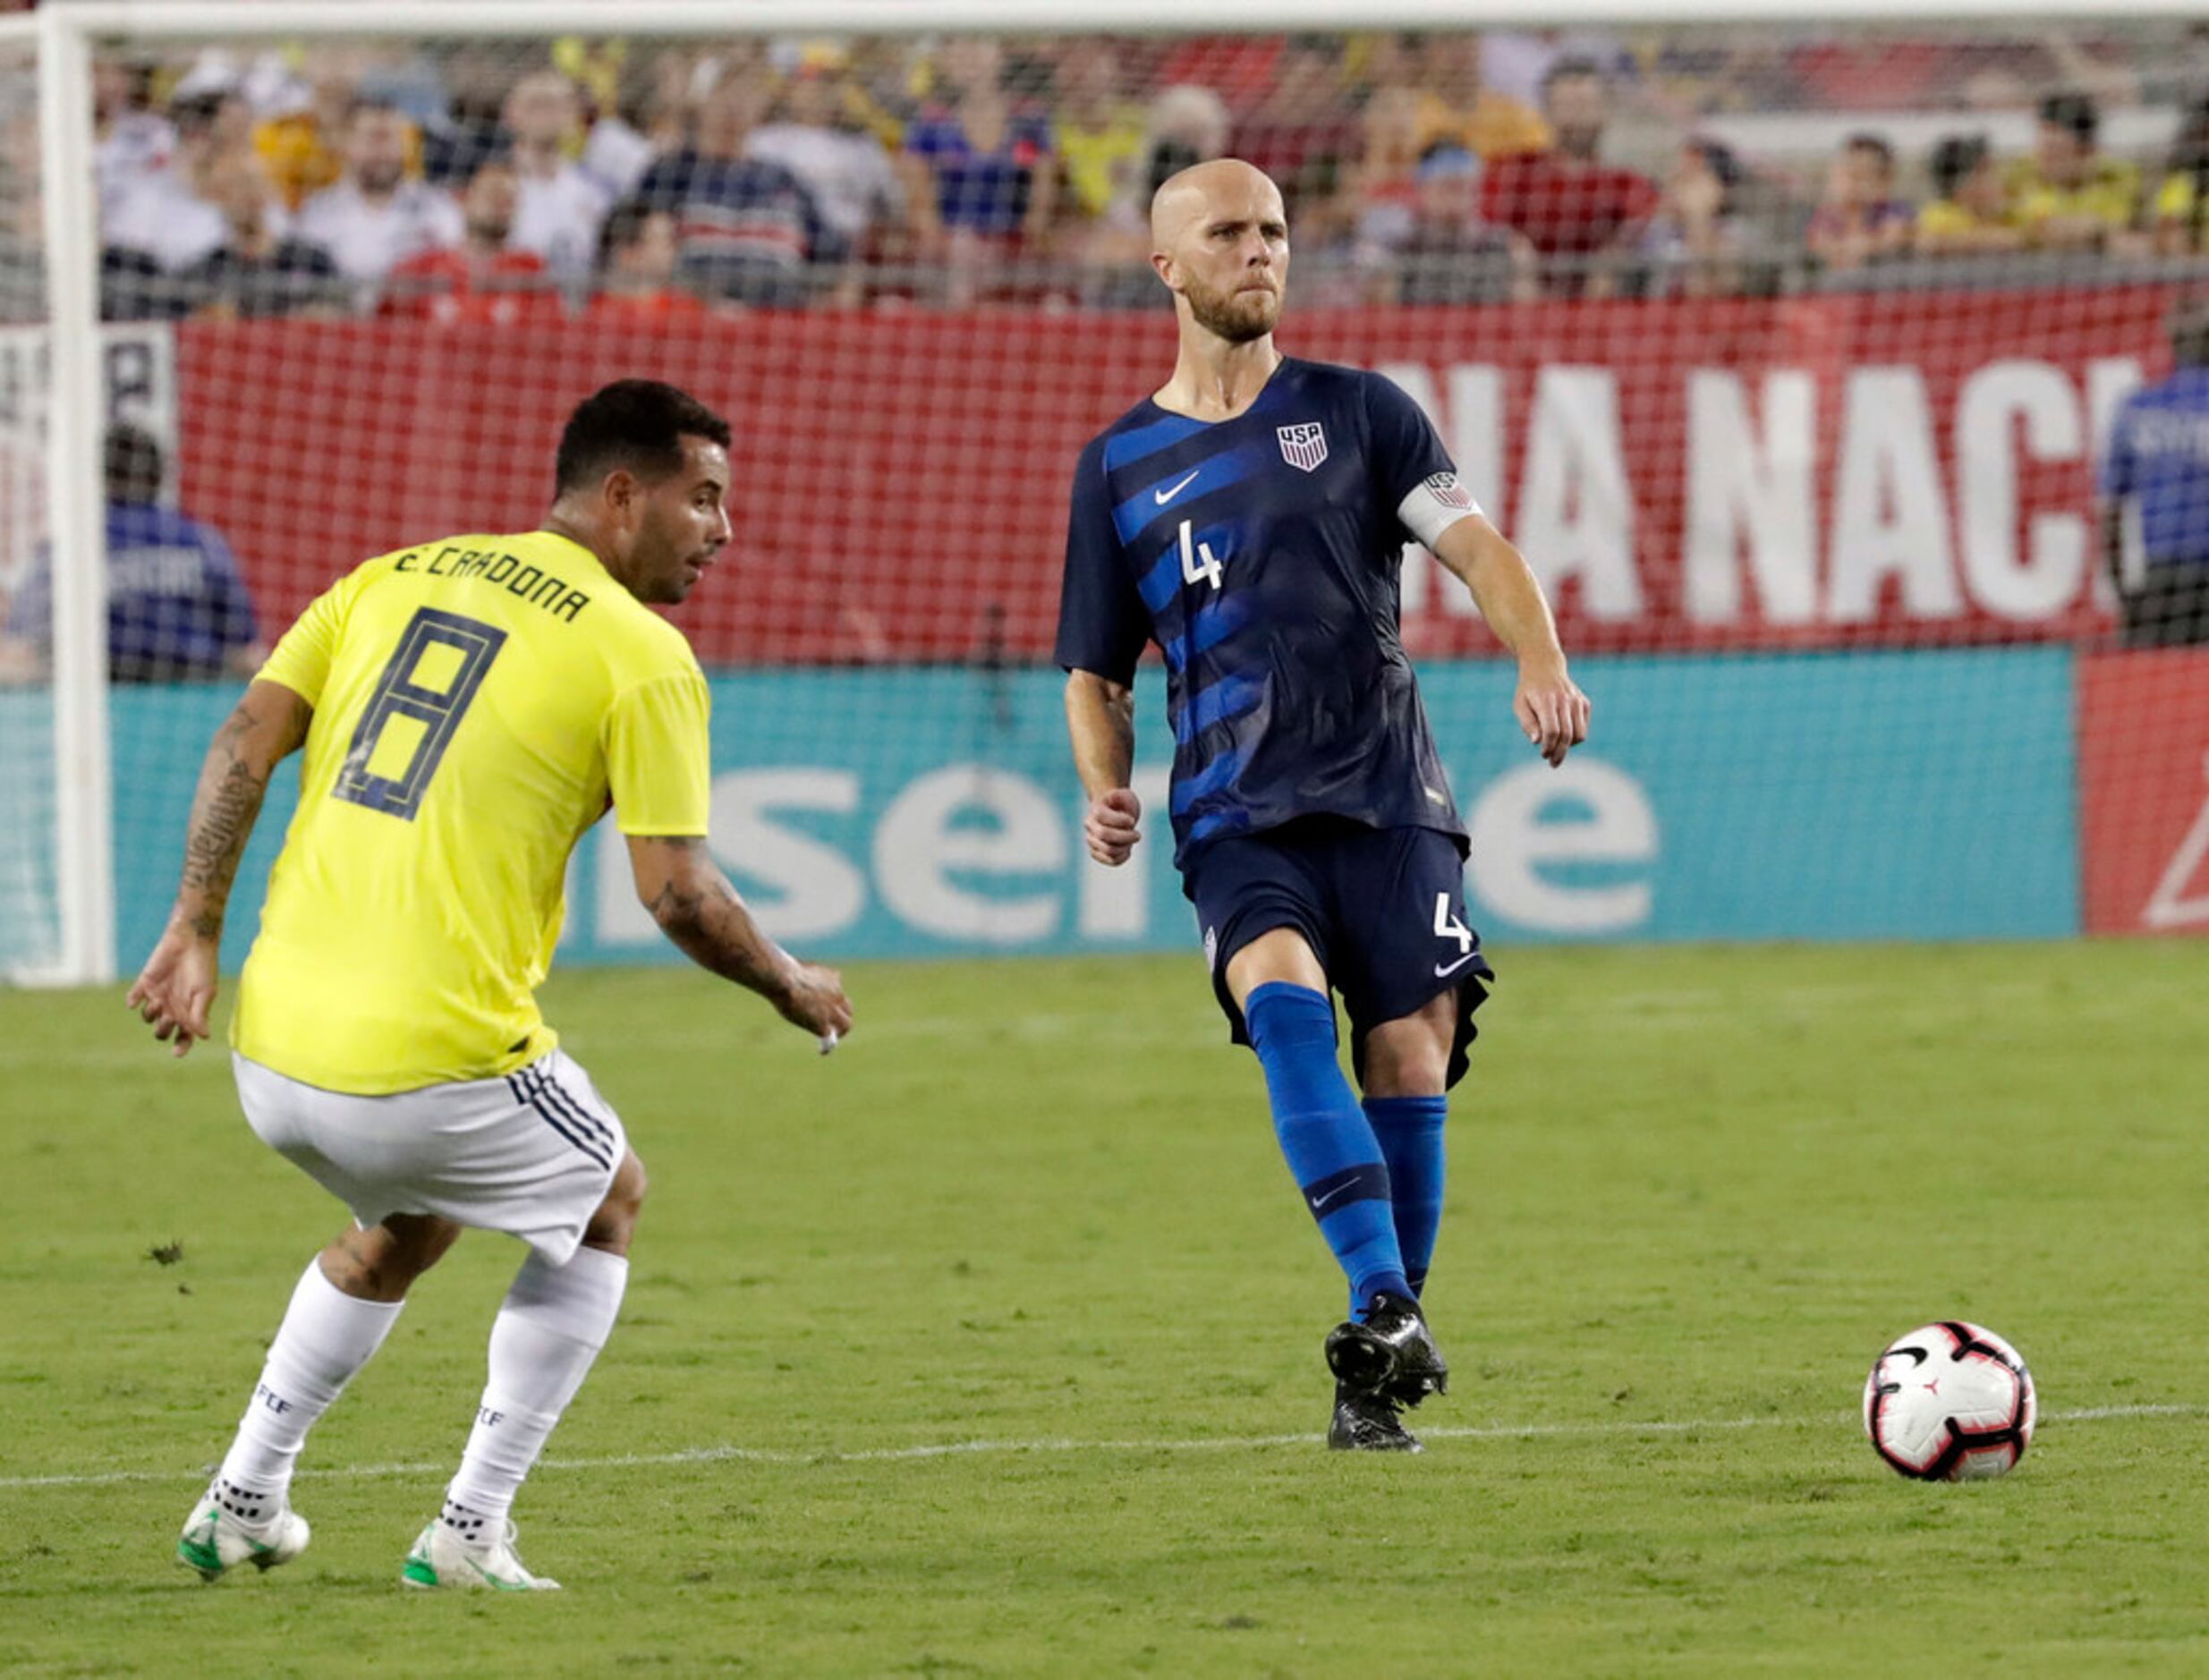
point(1443, 971)
point(1164, 497)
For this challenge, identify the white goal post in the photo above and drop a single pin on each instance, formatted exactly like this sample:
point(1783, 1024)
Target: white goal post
point(64, 35)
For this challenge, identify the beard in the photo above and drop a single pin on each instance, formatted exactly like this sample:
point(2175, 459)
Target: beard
point(1238, 317)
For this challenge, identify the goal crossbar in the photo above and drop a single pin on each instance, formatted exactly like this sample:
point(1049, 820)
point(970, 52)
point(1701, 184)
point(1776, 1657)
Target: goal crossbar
point(182, 20)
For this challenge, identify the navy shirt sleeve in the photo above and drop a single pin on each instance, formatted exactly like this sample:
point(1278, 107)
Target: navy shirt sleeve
point(1403, 449)
point(1102, 624)
point(665, 184)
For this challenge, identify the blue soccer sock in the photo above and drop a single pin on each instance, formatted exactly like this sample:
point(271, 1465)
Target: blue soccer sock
point(1330, 1146)
point(1409, 1130)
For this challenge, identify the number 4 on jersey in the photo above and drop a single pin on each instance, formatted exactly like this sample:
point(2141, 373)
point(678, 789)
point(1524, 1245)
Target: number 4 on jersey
point(1198, 564)
point(1447, 926)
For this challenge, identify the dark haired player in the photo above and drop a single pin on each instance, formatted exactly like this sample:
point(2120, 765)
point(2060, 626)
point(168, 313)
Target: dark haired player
point(1249, 518)
point(469, 707)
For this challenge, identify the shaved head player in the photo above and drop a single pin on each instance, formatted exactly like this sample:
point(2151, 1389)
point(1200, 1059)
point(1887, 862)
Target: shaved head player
point(1250, 517)
point(469, 707)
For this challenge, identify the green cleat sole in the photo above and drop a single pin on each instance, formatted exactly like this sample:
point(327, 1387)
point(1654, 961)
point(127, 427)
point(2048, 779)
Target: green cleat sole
point(202, 1558)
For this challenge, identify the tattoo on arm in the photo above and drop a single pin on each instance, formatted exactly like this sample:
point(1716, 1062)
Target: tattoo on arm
point(222, 812)
point(698, 909)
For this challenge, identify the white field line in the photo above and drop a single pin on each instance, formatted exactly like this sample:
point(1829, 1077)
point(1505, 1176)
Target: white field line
point(1053, 1444)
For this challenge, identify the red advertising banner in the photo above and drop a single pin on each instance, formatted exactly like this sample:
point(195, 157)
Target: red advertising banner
point(1897, 468)
point(2143, 791)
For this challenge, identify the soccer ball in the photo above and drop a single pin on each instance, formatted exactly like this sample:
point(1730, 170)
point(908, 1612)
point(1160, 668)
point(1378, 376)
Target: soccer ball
point(1949, 1403)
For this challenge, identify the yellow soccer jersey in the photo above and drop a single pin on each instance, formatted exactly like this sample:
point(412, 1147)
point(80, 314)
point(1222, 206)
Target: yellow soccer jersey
point(477, 703)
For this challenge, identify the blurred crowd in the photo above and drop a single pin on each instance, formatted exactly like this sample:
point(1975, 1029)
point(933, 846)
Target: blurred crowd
point(637, 181)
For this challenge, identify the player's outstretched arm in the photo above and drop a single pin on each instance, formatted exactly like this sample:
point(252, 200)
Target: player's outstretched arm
point(694, 904)
point(175, 989)
point(1549, 704)
point(1101, 717)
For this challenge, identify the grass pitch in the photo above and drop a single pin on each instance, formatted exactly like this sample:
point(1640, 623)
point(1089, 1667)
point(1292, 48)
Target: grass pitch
point(990, 1344)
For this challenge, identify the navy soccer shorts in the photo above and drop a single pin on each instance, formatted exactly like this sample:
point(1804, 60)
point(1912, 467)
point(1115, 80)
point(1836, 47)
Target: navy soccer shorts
point(1383, 909)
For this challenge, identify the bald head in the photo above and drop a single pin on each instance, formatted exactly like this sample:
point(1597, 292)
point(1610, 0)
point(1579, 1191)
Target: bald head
point(1225, 185)
point(1219, 241)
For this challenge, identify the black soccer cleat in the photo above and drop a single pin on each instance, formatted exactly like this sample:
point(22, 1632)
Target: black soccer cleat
point(1367, 1421)
point(1392, 1351)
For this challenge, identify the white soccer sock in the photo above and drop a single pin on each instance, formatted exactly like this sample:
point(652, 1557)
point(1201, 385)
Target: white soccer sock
point(553, 1323)
point(326, 1336)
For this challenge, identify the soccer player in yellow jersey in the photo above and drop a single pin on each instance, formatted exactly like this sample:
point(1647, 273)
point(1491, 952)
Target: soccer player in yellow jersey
point(469, 707)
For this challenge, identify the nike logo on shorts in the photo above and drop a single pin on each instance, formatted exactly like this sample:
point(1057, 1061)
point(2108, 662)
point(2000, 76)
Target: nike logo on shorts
point(1443, 971)
point(1164, 497)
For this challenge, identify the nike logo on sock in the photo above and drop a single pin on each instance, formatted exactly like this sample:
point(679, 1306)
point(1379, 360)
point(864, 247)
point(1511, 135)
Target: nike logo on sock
point(1320, 1202)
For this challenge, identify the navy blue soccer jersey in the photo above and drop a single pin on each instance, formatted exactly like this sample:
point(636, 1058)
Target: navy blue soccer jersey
point(2159, 456)
point(1262, 553)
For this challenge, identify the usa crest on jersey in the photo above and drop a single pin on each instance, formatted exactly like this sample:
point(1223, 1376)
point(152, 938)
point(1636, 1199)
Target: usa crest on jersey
point(1303, 445)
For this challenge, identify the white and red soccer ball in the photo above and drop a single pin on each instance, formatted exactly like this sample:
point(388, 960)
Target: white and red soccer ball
point(1952, 1402)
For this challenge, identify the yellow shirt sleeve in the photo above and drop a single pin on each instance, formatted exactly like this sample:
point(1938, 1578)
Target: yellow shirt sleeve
point(659, 759)
point(302, 659)
point(2174, 201)
point(1943, 215)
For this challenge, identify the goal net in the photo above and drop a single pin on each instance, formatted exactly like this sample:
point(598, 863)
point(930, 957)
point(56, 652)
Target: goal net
point(1833, 377)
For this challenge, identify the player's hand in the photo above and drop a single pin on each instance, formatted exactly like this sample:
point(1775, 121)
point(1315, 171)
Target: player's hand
point(815, 1000)
point(175, 989)
point(1111, 825)
point(1551, 708)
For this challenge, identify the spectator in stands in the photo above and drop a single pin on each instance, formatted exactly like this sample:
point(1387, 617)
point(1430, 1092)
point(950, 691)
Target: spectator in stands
point(260, 268)
point(638, 253)
point(747, 227)
point(1183, 125)
point(302, 132)
point(467, 123)
point(375, 217)
point(486, 278)
point(1304, 133)
point(1517, 62)
point(177, 606)
point(1969, 214)
point(1698, 244)
point(1100, 132)
point(2182, 201)
point(131, 141)
point(2155, 471)
point(2070, 195)
point(995, 176)
point(1438, 250)
point(1388, 165)
point(861, 192)
point(165, 216)
point(1583, 215)
point(561, 206)
point(645, 120)
point(1457, 106)
point(1860, 220)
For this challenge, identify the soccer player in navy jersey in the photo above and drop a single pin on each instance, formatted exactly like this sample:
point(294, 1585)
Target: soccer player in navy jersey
point(1250, 517)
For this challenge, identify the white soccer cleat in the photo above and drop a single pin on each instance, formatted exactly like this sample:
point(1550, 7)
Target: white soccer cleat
point(441, 1558)
point(215, 1542)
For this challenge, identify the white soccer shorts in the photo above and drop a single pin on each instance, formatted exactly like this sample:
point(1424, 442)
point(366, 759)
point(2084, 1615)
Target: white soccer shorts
point(532, 1154)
